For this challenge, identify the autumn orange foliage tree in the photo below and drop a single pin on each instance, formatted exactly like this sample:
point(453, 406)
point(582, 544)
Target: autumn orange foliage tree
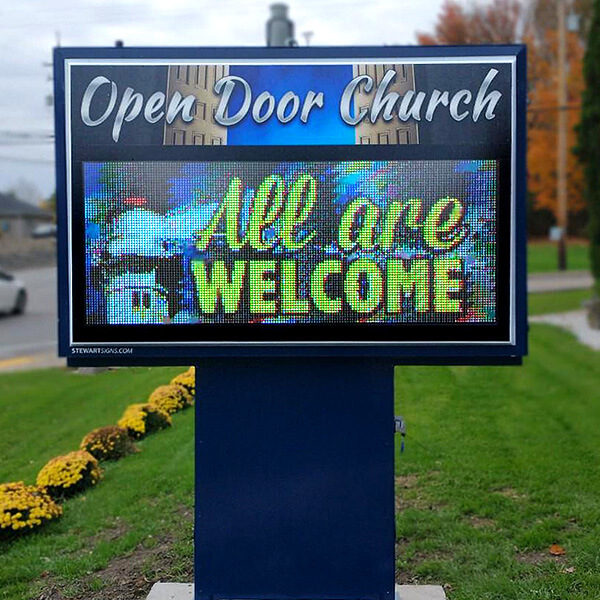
point(542, 122)
point(533, 22)
point(492, 23)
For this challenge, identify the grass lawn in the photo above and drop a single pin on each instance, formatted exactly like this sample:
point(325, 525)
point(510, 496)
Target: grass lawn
point(553, 302)
point(142, 508)
point(500, 463)
point(542, 256)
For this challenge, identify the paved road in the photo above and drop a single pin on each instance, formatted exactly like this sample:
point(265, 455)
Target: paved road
point(35, 332)
point(555, 282)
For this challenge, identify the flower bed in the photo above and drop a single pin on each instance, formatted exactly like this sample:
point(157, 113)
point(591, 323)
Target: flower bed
point(26, 507)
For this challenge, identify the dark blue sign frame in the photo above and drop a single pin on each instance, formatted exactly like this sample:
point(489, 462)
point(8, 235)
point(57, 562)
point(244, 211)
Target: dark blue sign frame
point(505, 351)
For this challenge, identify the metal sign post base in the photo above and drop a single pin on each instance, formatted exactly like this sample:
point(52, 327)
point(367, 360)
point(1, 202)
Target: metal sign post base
point(294, 479)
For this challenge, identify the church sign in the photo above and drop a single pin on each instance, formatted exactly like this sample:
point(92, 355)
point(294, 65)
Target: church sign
point(290, 202)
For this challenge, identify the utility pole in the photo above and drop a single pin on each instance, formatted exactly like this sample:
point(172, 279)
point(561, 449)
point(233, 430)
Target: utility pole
point(561, 155)
point(50, 97)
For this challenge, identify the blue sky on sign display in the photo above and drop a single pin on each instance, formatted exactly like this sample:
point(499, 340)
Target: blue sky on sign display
point(326, 123)
point(29, 30)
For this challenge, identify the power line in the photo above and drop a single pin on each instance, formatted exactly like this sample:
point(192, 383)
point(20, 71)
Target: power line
point(26, 135)
point(26, 143)
point(21, 138)
point(37, 161)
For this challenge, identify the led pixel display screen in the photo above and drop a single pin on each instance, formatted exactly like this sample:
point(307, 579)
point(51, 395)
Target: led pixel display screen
point(286, 243)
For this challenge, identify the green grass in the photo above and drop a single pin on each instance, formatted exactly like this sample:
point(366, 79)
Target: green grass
point(500, 463)
point(542, 257)
point(44, 414)
point(553, 302)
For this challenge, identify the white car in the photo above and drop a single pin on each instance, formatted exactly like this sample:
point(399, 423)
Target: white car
point(13, 295)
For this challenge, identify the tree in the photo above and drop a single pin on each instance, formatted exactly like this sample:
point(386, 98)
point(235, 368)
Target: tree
point(589, 152)
point(542, 118)
point(50, 204)
point(492, 23)
point(535, 23)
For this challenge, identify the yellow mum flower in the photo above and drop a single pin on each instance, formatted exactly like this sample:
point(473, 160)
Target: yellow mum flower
point(171, 398)
point(187, 379)
point(67, 475)
point(24, 507)
point(143, 419)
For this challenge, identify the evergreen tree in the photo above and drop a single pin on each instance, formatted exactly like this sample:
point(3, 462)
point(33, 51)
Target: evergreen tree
point(589, 152)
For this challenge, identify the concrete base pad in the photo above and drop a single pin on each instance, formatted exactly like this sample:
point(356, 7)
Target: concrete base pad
point(172, 591)
point(185, 591)
point(420, 592)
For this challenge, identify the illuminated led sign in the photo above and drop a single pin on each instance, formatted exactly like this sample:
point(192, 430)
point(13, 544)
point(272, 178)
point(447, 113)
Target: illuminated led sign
point(346, 202)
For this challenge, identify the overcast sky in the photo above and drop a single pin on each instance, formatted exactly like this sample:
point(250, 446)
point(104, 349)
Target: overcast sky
point(29, 30)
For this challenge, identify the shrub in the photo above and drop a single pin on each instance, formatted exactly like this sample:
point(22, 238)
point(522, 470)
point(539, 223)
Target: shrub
point(24, 507)
point(108, 443)
point(143, 419)
point(187, 379)
point(65, 476)
point(171, 398)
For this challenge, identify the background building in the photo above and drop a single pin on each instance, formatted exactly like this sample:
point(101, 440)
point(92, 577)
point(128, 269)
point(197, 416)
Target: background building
point(382, 132)
point(198, 80)
point(18, 219)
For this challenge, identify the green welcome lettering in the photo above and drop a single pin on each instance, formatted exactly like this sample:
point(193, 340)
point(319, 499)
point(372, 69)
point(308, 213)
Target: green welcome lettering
point(219, 283)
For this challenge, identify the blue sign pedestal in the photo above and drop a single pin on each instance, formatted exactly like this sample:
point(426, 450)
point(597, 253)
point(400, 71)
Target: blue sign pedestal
point(295, 479)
